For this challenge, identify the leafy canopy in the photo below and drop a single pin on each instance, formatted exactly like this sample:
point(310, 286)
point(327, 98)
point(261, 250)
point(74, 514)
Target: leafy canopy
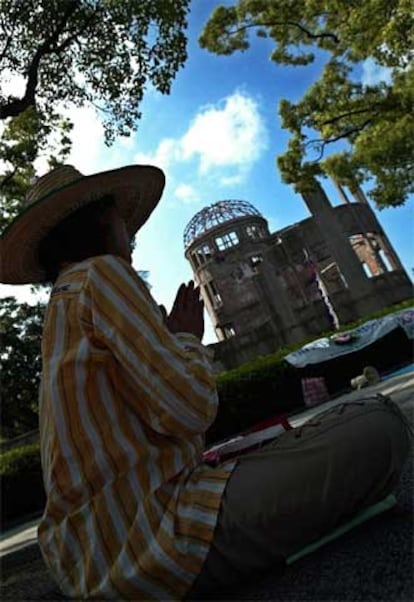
point(368, 129)
point(24, 139)
point(21, 332)
point(75, 53)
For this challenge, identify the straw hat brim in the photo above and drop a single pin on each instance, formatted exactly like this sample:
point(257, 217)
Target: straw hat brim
point(137, 190)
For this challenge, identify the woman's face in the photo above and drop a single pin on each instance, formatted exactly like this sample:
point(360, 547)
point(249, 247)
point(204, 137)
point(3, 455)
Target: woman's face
point(116, 235)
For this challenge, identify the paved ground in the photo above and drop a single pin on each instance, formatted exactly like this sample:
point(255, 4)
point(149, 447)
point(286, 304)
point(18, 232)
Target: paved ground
point(373, 563)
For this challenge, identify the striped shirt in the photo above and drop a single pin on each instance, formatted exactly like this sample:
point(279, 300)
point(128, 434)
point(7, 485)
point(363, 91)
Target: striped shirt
point(131, 509)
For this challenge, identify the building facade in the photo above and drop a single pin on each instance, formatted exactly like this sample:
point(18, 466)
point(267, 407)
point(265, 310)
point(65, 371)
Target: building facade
point(266, 290)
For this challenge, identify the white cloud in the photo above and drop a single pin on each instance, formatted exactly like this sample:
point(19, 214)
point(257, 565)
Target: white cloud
point(235, 179)
point(186, 193)
point(230, 135)
point(373, 74)
point(167, 153)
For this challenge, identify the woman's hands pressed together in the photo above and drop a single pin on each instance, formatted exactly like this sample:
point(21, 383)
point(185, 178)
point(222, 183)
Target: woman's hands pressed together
point(187, 314)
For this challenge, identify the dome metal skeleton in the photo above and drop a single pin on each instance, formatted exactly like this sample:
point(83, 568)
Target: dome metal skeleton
point(215, 215)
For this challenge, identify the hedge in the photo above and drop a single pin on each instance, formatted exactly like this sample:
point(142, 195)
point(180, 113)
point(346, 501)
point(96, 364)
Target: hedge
point(22, 489)
point(248, 396)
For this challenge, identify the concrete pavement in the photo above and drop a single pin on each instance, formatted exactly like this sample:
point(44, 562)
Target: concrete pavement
point(19, 537)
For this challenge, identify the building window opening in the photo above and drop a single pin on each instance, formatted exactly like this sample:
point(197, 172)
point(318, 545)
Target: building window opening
point(195, 259)
point(229, 331)
point(385, 260)
point(217, 300)
point(230, 239)
point(203, 253)
point(253, 231)
point(356, 239)
point(255, 260)
point(366, 269)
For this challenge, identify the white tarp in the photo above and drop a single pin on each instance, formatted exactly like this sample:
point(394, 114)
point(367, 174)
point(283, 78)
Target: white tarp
point(350, 341)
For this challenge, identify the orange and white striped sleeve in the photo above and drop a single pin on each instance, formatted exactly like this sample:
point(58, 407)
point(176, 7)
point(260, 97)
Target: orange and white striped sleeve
point(171, 375)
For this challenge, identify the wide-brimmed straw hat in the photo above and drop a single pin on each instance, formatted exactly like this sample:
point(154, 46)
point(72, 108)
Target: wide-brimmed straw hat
point(135, 188)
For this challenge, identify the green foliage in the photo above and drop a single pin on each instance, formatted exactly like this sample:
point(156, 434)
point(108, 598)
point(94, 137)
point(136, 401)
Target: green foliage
point(25, 138)
point(80, 52)
point(21, 332)
point(369, 129)
point(75, 53)
point(251, 393)
point(22, 490)
point(20, 459)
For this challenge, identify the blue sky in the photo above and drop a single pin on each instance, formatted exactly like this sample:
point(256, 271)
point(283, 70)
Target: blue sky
point(216, 136)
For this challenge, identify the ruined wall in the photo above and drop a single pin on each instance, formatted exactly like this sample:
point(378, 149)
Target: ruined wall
point(264, 291)
point(224, 262)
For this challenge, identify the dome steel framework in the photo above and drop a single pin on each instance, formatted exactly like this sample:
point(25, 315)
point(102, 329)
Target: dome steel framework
point(215, 215)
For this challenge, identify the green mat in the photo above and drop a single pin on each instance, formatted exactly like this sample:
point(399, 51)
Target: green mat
point(360, 518)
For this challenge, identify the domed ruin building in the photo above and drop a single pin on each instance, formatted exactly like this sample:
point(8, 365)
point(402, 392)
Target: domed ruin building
point(265, 290)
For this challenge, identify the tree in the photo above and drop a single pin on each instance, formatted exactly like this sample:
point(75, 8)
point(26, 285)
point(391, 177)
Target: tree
point(82, 51)
point(21, 331)
point(369, 127)
point(25, 138)
point(79, 53)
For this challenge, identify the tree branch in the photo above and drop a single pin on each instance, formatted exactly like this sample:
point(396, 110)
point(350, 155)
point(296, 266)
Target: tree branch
point(6, 47)
point(322, 142)
point(14, 107)
point(7, 178)
point(313, 36)
point(9, 37)
point(99, 108)
point(76, 35)
point(343, 115)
